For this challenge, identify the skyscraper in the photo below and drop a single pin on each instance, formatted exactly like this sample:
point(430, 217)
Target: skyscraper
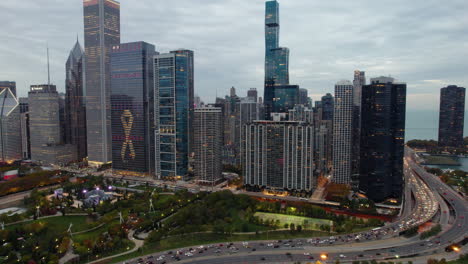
point(328, 107)
point(382, 139)
point(452, 116)
point(358, 83)
point(10, 127)
point(132, 101)
point(303, 97)
point(101, 33)
point(75, 110)
point(278, 155)
point(10, 85)
point(342, 132)
point(47, 144)
point(207, 147)
point(252, 93)
point(285, 98)
point(276, 58)
point(174, 90)
point(25, 131)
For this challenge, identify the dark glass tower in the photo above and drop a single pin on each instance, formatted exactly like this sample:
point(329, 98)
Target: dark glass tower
point(452, 116)
point(286, 97)
point(276, 58)
point(101, 33)
point(382, 139)
point(328, 107)
point(132, 101)
point(174, 106)
point(75, 110)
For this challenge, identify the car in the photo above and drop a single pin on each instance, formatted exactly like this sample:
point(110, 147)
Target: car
point(306, 254)
point(361, 255)
point(262, 258)
point(342, 256)
point(254, 249)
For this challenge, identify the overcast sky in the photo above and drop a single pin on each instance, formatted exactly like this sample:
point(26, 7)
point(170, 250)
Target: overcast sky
point(421, 42)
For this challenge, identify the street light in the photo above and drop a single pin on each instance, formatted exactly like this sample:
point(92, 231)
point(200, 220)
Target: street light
point(323, 256)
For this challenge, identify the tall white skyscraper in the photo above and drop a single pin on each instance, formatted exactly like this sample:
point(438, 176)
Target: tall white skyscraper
point(342, 132)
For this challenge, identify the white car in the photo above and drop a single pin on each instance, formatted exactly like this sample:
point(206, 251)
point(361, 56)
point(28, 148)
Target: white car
point(342, 256)
point(306, 254)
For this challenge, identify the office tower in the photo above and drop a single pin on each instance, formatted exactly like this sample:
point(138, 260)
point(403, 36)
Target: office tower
point(358, 83)
point(25, 131)
point(197, 101)
point(207, 147)
point(174, 113)
point(47, 144)
point(323, 147)
point(252, 93)
point(382, 139)
point(285, 98)
point(233, 92)
point(303, 97)
point(75, 110)
point(342, 132)
point(101, 33)
point(249, 110)
point(301, 113)
point(10, 127)
point(10, 85)
point(452, 116)
point(132, 104)
point(276, 58)
point(278, 155)
point(328, 107)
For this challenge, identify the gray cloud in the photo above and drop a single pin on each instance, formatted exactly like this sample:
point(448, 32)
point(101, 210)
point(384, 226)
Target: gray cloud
point(421, 42)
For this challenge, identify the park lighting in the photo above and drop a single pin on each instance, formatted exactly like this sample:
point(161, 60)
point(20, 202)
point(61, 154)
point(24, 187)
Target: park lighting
point(456, 249)
point(97, 189)
point(323, 256)
point(397, 256)
point(85, 191)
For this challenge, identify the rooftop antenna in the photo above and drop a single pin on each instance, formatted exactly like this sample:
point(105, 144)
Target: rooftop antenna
point(48, 68)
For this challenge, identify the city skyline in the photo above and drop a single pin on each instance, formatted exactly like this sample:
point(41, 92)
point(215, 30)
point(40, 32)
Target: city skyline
point(336, 54)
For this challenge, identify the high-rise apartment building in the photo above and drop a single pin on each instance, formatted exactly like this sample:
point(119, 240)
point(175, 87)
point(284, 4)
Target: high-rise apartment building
point(207, 147)
point(342, 132)
point(278, 155)
point(10, 85)
point(382, 139)
point(301, 113)
point(75, 110)
point(276, 58)
point(101, 33)
point(452, 116)
point(10, 127)
point(174, 95)
point(132, 102)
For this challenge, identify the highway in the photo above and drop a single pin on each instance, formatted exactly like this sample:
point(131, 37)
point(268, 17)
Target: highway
point(430, 195)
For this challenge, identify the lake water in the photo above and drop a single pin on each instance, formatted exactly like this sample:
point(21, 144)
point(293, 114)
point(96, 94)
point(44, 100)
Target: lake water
point(425, 125)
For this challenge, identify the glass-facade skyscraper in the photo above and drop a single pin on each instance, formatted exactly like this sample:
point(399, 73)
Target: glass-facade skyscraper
point(75, 110)
point(382, 139)
point(101, 33)
point(452, 116)
point(276, 58)
point(10, 127)
point(285, 98)
point(132, 101)
point(10, 85)
point(174, 106)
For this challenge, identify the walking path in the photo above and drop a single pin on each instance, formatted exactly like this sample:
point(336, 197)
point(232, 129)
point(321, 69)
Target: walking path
point(138, 244)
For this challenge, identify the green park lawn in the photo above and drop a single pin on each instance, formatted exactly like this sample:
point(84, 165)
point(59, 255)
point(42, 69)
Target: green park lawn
point(61, 223)
point(440, 160)
point(305, 222)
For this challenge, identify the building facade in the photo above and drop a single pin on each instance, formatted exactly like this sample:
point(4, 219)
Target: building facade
point(174, 101)
point(328, 107)
point(25, 131)
point(285, 98)
point(101, 33)
point(9, 85)
point(342, 132)
point(452, 116)
point(10, 127)
point(253, 94)
point(47, 144)
point(208, 144)
point(303, 97)
point(75, 110)
point(358, 83)
point(132, 104)
point(382, 139)
point(278, 155)
point(276, 58)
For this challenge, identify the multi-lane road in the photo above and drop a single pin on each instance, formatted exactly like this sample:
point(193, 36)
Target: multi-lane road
point(431, 197)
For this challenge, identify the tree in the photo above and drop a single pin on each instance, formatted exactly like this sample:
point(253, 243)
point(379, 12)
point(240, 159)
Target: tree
point(299, 228)
point(292, 227)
